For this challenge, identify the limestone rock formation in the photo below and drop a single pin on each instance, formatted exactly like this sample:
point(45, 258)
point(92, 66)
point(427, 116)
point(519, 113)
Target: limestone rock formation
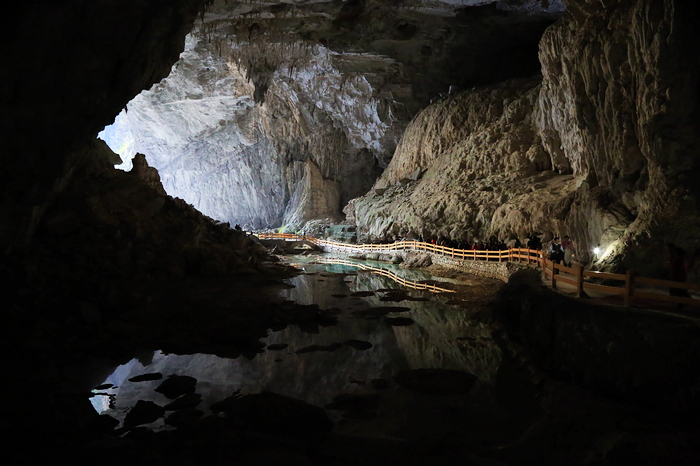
point(601, 150)
point(262, 89)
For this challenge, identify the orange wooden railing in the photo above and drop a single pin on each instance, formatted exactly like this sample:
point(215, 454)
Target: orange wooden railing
point(552, 271)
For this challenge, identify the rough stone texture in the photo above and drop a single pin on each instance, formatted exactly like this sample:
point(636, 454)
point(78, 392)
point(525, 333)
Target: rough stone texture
point(263, 88)
point(620, 99)
point(314, 197)
point(484, 169)
point(245, 162)
point(616, 116)
point(500, 270)
point(148, 175)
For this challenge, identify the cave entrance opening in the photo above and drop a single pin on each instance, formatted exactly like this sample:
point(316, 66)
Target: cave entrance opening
point(120, 139)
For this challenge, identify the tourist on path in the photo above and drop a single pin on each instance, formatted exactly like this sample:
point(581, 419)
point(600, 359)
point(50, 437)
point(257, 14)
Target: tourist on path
point(568, 247)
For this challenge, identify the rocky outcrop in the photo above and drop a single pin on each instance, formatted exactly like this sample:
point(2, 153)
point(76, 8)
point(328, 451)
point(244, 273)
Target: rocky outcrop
point(619, 99)
point(470, 166)
point(601, 150)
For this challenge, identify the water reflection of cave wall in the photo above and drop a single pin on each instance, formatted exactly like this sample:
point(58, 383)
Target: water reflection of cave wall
point(443, 336)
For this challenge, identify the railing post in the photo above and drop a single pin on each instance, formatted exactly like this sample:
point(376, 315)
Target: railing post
point(579, 280)
point(554, 270)
point(629, 287)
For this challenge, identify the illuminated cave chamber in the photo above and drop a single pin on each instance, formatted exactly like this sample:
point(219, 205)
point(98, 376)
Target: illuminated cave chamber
point(275, 116)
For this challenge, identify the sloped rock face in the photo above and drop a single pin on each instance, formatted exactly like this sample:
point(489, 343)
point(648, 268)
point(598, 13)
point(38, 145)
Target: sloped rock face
point(480, 157)
point(612, 126)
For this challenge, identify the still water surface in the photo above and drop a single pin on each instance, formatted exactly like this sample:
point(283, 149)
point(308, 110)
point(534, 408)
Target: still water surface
point(384, 329)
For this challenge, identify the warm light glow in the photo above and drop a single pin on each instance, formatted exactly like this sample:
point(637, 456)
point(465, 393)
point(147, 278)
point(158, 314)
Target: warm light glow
point(596, 250)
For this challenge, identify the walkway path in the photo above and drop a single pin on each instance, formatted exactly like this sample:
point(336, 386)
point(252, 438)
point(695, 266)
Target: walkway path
point(605, 288)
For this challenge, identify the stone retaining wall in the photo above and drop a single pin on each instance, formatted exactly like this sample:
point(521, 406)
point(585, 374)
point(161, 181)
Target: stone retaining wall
point(499, 270)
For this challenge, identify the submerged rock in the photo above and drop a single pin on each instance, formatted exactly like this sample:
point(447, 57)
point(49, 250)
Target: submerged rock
point(146, 377)
point(143, 412)
point(358, 344)
point(361, 294)
point(314, 348)
point(277, 346)
point(437, 381)
point(398, 321)
point(176, 385)
point(188, 400)
point(377, 312)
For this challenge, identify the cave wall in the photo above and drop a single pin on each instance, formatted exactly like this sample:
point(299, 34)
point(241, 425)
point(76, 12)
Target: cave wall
point(263, 88)
point(73, 67)
point(604, 147)
point(620, 100)
point(236, 159)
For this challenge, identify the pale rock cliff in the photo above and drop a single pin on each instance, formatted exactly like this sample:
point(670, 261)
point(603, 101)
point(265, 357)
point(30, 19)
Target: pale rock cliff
point(243, 162)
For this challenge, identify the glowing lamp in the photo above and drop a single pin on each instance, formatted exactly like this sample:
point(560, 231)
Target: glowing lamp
point(596, 250)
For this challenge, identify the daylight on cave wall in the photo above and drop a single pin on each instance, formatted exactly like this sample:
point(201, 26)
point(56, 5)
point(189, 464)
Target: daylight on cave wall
point(338, 232)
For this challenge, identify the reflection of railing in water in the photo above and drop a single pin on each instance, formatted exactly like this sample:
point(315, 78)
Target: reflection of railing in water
point(387, 273)
point(575, 275)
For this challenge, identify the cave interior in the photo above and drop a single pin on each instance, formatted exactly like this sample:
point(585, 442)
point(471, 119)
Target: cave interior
point(362, 121)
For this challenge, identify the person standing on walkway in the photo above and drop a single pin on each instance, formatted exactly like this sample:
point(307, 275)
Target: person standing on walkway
point(568, 247)
point(556, 252)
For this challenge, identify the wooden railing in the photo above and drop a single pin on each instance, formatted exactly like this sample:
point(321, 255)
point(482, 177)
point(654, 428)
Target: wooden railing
point(629, 287)
point(517, 255)
point(575, 276)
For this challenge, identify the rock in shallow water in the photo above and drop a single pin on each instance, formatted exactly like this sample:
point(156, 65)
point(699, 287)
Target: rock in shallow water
point(398, 321)
point(146, 377)
point(176, 385)
point(437, 381)
point(314, 348)
point(277, 346)
point(358, 344)
point(377, 312)
point(143, 412)
point(189, 400)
